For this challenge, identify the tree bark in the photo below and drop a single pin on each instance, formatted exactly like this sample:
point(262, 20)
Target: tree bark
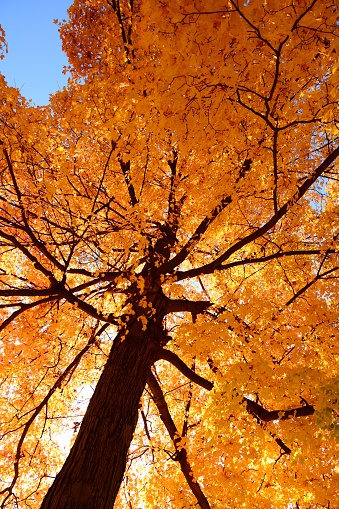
point(91, 476)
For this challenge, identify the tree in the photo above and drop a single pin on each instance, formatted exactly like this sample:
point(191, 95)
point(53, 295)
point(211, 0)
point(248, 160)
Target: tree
point(169, 252)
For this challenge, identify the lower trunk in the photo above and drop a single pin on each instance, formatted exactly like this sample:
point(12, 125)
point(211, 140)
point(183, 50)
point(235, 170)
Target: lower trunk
point(93, 471)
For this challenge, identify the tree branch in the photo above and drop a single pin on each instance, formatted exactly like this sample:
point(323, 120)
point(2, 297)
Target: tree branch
point(28, 255)
point(202, 228)
point(174, 359)
point(189, 306)
point(215, 265)
point(27, 292)
point(181, 454)
point(27, 228)
point(275, 170)
point(115, 4)
point(302, 290)
point(251, 406)
point(181, 275)
point(126, 170)
point(23, 308)
point(187, 407)
point(295, 25)
point(113, 145)
point(68, 371)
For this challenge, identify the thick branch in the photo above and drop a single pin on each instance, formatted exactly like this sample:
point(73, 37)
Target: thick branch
point(115, 4)
point(126, 170)
point(277, 415)
point(189, 306)
point(54, 293)
point(275, 169)
point(251, 406)
point(84, 306)
point(181, 454)
point(171, 214)
point(169, 229)
point(180, 275)
point(205, 223)
point(27, 292)
point(215, 265)
point(199, 232)
point(171, 357)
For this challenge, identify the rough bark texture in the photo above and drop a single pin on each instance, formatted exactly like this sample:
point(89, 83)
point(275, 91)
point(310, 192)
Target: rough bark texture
point(93, 471)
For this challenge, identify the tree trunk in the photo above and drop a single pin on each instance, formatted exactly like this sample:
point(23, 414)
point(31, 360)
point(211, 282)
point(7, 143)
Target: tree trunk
point(94, 469)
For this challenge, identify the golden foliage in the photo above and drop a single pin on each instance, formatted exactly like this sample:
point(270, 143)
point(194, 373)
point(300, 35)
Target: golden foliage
point(192, 156)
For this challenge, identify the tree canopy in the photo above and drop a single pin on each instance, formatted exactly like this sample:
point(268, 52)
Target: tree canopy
point(169, 261)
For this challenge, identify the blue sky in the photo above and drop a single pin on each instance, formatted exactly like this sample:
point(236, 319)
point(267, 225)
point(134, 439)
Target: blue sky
point(34, 61)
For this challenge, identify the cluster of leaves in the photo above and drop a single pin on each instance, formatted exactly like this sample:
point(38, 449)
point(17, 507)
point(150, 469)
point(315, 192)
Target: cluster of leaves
point(192, 156)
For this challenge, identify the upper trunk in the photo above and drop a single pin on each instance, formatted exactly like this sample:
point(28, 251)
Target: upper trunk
point(93, 471)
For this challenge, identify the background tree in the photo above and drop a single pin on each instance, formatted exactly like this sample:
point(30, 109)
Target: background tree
point(169, 250)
